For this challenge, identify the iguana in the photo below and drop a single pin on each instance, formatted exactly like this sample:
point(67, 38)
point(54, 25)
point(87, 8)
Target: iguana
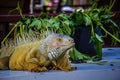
point(37, 54)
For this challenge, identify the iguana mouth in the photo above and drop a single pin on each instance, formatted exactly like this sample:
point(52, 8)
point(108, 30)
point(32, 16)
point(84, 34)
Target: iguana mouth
point(71, 45)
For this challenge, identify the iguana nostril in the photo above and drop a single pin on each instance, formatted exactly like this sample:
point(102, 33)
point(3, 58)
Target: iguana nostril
point(71, 40)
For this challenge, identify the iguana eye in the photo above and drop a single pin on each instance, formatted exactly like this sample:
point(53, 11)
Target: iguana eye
point(59, 39)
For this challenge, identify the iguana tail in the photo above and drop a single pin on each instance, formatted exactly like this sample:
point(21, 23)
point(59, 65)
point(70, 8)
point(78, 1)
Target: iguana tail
point(5, 52)
point(4, 57)
point(8, 47)
point(4, 62)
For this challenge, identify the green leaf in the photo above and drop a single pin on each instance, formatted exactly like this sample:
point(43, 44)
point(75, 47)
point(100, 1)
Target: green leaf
point(105, 16)
point(79, 17)
point(98, 37)
point(43, 15)
point(98, 42)
point(31, 31)
point(22, 29)
point(114, 24)
point(75, 54)
point(37, 23)
point(56, 25)
point(62, 16)
point(28, 21)
point(65, 27)
point(87, 20)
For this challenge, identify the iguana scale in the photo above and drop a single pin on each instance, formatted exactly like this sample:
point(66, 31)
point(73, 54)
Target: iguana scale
point(36, 54)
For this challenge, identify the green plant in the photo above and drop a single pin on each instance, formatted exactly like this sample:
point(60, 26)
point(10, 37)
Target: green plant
point(62, 23)
point(41, 24)
point(98, 17)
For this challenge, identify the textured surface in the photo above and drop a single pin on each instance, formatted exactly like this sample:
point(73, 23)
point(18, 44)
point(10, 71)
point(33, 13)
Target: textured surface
point(106, 69)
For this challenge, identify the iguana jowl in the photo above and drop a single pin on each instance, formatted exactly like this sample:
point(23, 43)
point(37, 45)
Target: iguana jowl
point(51, 52)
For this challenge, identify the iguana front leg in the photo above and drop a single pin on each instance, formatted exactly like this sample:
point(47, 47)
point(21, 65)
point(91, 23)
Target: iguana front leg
point(36, 62)
point(35, 68)
point(63, 63)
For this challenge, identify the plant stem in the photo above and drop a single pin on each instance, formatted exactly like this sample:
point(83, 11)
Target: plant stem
point(20, 10)
point(10, 32)
point(110, 34)
point(111, 4)
point(94, 4)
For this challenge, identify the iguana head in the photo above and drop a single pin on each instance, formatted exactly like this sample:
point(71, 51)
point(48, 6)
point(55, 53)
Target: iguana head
point(58, 44)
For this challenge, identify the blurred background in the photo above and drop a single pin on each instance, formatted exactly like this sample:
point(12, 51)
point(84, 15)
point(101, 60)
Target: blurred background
point(37, 6)
point(8, 12)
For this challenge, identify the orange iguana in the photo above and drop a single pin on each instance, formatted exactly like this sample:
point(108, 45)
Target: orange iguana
point(35, 54)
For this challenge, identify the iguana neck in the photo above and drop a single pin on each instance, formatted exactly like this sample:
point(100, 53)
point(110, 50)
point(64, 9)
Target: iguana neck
point(46, 50)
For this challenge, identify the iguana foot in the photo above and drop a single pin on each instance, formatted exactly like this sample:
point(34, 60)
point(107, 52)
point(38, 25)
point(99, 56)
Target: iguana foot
point(38, 69)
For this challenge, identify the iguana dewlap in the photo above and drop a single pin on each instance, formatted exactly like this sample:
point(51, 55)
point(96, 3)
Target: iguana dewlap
point(51, 52)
